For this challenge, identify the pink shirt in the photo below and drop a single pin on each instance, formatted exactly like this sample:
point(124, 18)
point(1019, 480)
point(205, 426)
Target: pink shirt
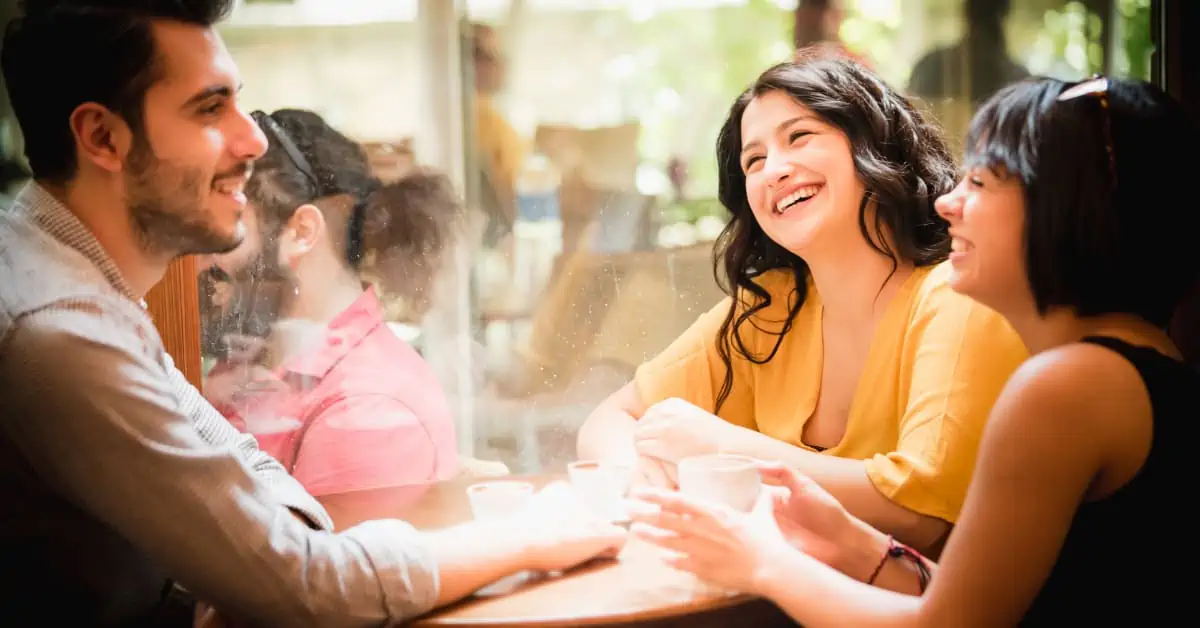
point(360, 411)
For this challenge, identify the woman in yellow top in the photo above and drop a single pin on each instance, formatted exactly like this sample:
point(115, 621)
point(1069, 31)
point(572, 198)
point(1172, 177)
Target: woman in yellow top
point(845, 354)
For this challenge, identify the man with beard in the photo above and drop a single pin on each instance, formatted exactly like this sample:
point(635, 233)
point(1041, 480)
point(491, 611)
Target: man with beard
point(335, 396)
point(118, 480)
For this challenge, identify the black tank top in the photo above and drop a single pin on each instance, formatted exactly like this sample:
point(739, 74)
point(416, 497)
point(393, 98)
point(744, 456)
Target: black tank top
point(1132, 558)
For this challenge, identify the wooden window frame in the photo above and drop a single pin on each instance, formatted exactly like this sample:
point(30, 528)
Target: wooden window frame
point(174, 304)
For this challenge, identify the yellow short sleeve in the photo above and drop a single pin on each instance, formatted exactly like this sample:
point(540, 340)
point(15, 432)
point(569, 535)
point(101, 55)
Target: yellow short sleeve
point(957, 356)
point(691, 369)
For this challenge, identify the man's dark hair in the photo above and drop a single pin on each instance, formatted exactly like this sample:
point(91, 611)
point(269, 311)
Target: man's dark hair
point(309, 161)
point(58, 55)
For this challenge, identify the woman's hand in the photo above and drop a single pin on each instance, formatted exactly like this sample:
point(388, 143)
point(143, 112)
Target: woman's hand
point(674, 429)
point(812, 520)
point(652, 472)
point(716, 543)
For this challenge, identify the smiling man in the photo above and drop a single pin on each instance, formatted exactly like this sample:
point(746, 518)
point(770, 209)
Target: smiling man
point(118, 480)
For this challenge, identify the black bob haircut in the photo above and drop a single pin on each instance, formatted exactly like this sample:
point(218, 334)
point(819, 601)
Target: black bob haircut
point(1106, 166)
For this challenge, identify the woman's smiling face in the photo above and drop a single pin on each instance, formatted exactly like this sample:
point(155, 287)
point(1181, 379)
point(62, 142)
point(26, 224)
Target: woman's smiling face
point(801, 182)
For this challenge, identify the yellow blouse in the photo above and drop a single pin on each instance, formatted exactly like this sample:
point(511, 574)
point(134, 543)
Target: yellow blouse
point(936, 365)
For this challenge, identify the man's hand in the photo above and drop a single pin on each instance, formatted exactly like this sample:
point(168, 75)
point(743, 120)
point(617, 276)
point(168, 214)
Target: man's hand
point(558, 531)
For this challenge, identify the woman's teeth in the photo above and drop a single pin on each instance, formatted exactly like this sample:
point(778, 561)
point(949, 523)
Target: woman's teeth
point(799, 196)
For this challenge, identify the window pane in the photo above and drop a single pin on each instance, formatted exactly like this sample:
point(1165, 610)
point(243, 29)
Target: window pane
point(581, 135)
point(621, 120)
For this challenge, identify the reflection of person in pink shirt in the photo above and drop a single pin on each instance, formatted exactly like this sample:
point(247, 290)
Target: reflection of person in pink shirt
point(331, 391)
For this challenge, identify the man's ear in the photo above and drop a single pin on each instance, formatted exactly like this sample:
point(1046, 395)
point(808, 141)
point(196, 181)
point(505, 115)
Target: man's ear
point(303, 231)
point(102, 137)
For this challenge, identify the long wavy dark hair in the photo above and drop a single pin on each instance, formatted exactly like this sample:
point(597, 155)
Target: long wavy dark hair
point(900, 156)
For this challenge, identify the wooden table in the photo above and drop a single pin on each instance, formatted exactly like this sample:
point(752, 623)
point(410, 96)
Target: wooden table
point(637, 590)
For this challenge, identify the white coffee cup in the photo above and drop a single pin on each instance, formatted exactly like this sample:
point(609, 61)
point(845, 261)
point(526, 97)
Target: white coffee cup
point(729, 479)
point(602, 486)
point(498, 498)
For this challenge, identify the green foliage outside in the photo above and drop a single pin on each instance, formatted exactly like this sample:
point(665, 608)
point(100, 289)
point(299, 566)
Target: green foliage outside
point(707, 57)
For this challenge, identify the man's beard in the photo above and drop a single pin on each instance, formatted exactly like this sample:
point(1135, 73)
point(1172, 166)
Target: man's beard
point(166, 203)
point(261, 293)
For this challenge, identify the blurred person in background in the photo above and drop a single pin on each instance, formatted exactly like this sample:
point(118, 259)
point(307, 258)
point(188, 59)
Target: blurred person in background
point(333, 394)
point(500, 148)
point(818, 26)
point(977, 65)
point(953, 80)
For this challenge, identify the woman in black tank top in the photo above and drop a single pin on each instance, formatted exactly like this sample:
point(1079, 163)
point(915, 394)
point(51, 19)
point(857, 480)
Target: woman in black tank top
point(1069, 223)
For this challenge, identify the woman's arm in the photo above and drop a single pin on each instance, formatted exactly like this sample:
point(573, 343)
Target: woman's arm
point(816, 595)
point(1065, 416)
point(687, 369)
point(607, 434)
point(863, 553)
point(1049, 436)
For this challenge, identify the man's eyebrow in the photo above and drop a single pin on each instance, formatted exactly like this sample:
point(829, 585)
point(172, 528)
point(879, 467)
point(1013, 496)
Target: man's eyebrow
point(210, 91)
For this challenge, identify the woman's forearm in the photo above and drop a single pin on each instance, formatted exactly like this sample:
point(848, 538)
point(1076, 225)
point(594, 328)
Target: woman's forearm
point(816, 595)
point(607, 434)
point(864, 554)
point(847, 480)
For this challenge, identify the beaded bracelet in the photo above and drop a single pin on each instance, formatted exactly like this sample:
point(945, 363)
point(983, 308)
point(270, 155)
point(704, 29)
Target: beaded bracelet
point(896, 549)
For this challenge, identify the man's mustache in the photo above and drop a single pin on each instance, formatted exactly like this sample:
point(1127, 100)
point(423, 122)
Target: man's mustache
point(240, 171)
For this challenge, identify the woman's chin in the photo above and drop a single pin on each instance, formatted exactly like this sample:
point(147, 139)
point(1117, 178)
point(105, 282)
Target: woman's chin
point(798, 242)
point(962, 282)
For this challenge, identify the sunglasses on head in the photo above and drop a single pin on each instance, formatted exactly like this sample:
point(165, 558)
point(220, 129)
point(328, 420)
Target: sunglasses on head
point(1097, 87)
point(277, 136)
